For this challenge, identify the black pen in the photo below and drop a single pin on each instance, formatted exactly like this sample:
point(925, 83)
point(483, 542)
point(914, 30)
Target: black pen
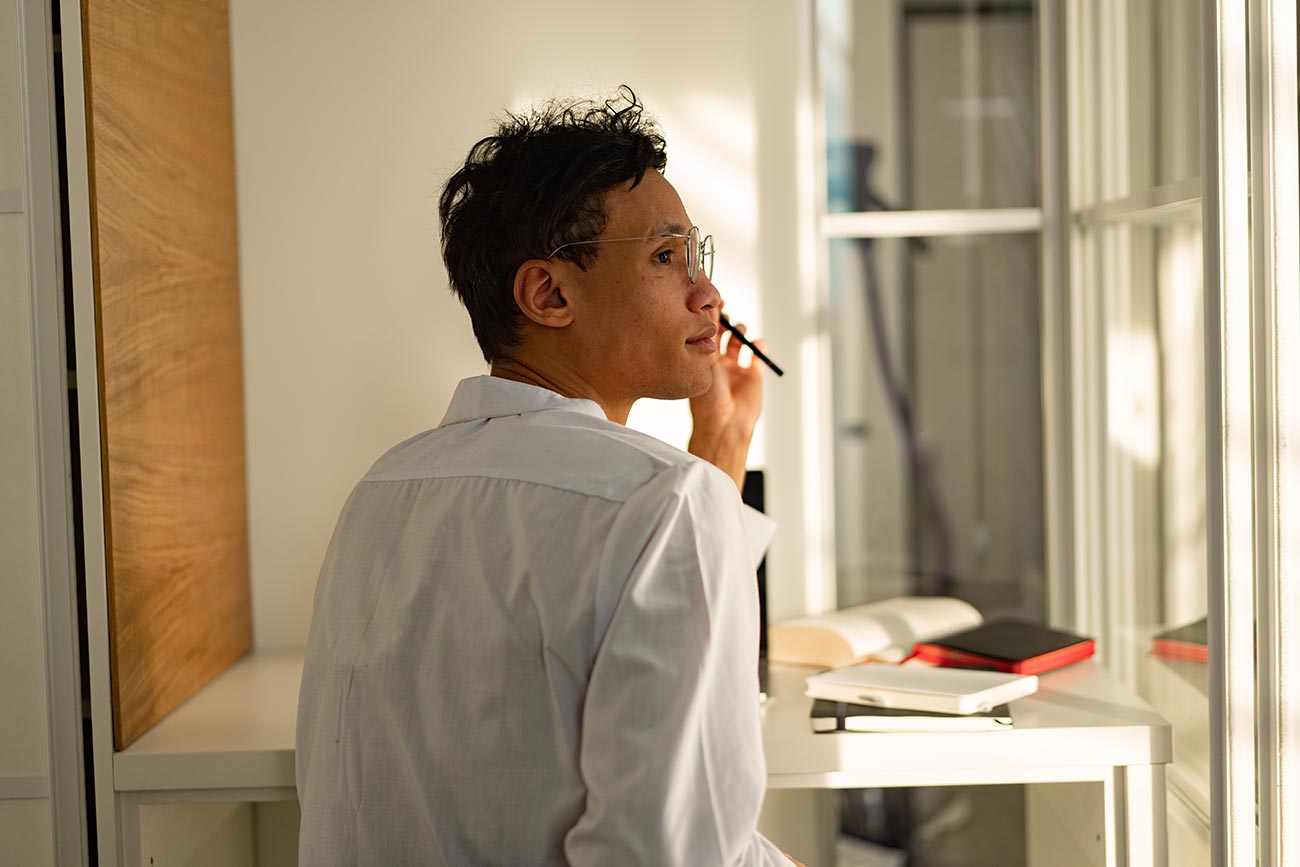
point(744, 341)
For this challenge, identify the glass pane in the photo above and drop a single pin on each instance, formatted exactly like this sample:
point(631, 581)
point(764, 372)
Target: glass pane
point(1163, 88)
point(937, 414)
point(928, 105)
point(936, 373)
point(1156, 432)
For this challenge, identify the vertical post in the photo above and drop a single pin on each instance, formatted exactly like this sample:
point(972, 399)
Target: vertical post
point(1274, 205)
point(62, 653)
point(92, 502)
point(1087, 355)
point(128, 814)
point(1229, 434)
point(1062, 610)
point(1146, 841)
point(820, 584)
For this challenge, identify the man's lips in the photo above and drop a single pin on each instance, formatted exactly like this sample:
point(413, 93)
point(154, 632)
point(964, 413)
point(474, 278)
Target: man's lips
point(706, 339)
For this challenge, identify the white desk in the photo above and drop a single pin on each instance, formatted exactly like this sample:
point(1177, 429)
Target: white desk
point(234, 741)
point(230, 741)
point(1081, 726)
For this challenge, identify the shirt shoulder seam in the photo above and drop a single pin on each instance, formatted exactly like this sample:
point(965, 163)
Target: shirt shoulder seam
point(422, 476)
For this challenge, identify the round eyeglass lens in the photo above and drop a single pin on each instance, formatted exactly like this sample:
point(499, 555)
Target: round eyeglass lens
point(693, 253)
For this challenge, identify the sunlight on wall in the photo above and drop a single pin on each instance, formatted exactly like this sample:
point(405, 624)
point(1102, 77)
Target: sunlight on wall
point(711, 153)
point(348, 123)
point(1133, 401)
point(1182, 338)
point(711, 163)
point(817, 524)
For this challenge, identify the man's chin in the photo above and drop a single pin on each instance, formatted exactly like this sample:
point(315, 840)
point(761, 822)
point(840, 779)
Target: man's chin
point(686, 387)
point(702, 388)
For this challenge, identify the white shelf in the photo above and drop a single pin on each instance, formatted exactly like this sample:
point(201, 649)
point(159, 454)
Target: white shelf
point(1079, 725)
point(235, 733)
point(238, 733)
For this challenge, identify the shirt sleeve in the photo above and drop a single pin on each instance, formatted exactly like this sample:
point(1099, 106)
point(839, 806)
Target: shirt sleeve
point(671, 748)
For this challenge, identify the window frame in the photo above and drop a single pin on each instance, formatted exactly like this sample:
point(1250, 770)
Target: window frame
point(821, 591)
point(1252, 420)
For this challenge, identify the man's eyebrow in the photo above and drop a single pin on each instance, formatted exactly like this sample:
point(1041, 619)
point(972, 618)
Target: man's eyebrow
point(668, 228)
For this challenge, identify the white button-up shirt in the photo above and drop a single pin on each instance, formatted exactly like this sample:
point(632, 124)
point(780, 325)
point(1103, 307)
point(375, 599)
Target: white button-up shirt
point(534, 642)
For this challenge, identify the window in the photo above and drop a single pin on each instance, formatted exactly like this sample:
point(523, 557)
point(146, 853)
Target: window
point(1139, 399)
point(1064, 239)
point(930, 267)
point(930, 246)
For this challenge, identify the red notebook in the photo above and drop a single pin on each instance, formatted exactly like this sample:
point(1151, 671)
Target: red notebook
point(1187, 643)
point(1007, 645)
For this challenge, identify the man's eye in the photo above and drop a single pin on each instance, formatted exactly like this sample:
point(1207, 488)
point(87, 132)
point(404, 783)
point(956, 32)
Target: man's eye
point(664, 257)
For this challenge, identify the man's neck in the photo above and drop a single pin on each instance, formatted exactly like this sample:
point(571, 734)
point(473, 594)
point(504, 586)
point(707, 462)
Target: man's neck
point(561, 382)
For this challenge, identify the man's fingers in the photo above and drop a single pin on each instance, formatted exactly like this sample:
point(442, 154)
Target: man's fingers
point(733, 345)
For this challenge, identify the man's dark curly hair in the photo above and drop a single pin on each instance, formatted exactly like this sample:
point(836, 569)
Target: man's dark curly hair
point(536, 184)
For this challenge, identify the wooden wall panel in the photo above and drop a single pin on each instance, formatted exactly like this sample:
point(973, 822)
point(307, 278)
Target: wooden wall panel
point(171, 378)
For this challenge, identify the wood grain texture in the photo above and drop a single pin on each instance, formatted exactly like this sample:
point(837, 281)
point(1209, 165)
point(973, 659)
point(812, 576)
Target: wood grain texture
point(171, 377)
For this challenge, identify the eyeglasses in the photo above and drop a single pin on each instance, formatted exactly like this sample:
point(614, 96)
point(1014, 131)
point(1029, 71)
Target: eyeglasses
point(699, 253)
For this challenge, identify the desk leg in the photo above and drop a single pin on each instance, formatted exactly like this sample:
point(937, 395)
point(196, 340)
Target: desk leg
point(803, 822)
point(128, 829)
point(1145, 815)
point(1136, 833)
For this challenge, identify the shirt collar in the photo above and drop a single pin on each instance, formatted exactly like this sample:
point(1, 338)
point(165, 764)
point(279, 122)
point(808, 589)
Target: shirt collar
point(483, 397)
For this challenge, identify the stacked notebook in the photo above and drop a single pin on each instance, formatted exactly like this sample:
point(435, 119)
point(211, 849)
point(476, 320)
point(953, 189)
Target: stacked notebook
point(938, 629)
point(1188, 643)
point(971, 675)
point(839, 716)
point(1007, 645)
point(920, 687)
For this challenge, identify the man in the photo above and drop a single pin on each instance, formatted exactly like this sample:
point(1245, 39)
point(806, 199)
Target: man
point(535, 631)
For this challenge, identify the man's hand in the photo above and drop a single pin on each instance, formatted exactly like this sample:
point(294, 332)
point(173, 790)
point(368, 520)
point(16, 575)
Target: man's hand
point(725, 415)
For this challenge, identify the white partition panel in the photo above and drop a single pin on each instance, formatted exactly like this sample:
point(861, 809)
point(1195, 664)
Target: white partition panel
point(25, 818)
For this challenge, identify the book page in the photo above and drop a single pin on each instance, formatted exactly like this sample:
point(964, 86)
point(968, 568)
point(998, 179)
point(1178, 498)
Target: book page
point(884, 630)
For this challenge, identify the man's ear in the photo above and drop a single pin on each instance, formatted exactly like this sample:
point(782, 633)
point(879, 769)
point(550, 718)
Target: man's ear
point(539, 295)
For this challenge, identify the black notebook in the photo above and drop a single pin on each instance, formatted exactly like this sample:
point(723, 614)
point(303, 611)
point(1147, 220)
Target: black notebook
point(839, 716)
point(1007, 645)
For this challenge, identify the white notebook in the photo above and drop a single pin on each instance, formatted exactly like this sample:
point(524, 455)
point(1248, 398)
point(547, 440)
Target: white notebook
point(920, 687)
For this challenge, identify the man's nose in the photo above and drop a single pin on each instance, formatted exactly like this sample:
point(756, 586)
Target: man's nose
point(706, 295)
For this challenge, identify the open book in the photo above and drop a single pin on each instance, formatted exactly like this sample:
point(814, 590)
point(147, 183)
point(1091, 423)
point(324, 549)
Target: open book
point(883, 631)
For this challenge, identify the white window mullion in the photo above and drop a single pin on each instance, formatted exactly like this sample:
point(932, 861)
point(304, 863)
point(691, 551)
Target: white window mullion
point(1087, 340)
point(820, 588)
point(1119, 578)
point(1275, 205)
point(1229, 434)
point(1053, 102)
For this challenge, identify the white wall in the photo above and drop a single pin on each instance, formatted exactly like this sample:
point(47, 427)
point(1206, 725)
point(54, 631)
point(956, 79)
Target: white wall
point(25, 819)
point(348, 119)
point(198, 835)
